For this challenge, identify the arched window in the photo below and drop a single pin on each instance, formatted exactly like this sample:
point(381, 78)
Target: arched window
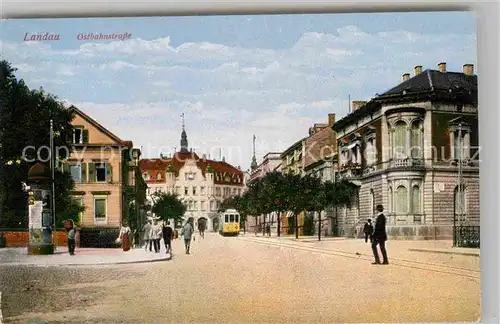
point(415, 200)
point(390, 208)
point(416, 149)
point(158, 176)
point(400, 144)
point(401, 199)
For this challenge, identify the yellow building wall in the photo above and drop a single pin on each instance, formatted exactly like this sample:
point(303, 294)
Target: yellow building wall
point(109, 152)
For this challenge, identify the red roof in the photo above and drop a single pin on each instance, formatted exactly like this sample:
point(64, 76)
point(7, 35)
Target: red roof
point(224, 173)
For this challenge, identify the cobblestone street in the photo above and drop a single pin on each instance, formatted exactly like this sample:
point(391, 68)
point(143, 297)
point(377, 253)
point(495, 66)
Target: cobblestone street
point(250, 280)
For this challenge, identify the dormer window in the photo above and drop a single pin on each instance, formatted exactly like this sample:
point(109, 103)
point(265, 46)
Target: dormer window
point(146, 176)
point(158, 176)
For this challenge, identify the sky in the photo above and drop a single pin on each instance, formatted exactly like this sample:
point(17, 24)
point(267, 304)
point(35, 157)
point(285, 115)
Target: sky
point(232, 76)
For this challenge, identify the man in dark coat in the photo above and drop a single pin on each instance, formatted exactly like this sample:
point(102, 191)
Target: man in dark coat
point(168, 233)
point(368, 230)
point(380, 236)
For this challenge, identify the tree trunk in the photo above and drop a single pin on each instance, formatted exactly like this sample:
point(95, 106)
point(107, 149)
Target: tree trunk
point(279, 224)
point(296, 216)
point(319, 225)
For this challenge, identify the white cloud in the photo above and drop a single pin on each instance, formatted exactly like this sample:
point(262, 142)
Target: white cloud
point(138, 88)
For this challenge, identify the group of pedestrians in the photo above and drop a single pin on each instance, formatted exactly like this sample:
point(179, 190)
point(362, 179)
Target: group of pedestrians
point(377, 235)
point(154, 232)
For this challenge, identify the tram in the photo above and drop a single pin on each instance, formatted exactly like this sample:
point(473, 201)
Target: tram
point(229, 223)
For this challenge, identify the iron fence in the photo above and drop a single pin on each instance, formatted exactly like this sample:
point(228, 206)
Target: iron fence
point(466, 236)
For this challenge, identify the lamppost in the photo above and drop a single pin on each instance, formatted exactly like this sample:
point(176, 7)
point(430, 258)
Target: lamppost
point(136, 153)
point(53, 180)
point(459, 197)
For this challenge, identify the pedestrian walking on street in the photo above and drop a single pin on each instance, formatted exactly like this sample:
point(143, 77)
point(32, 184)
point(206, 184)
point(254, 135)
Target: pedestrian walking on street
point(368, 229)
point(380, 237)
point(187, 232)
point(71, 241)
point(125, 236)
point(156, 235)
point(168, 233)
point(147, 232)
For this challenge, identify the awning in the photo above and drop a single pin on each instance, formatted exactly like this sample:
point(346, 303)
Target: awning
point(289, 214)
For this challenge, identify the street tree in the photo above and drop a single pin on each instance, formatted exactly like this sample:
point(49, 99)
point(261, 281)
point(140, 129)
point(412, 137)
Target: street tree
point(273, 195)
point(25, 116)
point(168, 206)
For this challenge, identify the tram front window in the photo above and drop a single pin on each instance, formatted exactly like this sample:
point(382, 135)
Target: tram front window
point(236, 219)
point(226, 219)
point(231, 218)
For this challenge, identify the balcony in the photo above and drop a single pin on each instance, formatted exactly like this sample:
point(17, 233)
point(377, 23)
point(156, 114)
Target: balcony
point(406, 163)
point(350, 170)
point(405, 219)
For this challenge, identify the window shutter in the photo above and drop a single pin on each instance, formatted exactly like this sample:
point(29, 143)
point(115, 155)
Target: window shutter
point(91, 172)
point(85, 136)
point(109, 172)
point(65, 167)
point(83, 169)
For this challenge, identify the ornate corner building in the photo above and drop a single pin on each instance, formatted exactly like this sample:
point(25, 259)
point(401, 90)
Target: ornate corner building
point(409, 149)
point(201, 183)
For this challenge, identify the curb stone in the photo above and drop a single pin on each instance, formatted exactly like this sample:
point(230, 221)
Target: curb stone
point(14, 263)
point(445, 252)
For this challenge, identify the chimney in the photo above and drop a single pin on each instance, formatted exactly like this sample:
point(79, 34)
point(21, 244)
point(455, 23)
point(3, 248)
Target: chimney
point(331, 119)
point(418, 69)
point(223, 159)
point(357, 104)
point(204, 157)
point(406, 77)
point(442, 67)
point(469, 69)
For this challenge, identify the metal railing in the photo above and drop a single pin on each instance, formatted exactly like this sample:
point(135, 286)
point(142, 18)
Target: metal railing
point(466, 236)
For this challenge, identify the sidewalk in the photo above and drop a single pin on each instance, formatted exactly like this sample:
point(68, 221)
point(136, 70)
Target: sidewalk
point(84, 256)
point(429, 246)
point(440, 252)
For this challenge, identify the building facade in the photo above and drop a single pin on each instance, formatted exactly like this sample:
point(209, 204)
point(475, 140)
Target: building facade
point(202, 184)
point(102, 167)
point(269, 163)
point(408, 149)
point(319, 160)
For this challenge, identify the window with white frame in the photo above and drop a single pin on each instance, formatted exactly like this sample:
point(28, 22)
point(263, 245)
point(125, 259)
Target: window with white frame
point(158, 176)
point(194, 191)
point(415, 199)
point(202, 205)
point(400, 144)
point(401, 200)
point(100, 209)
point(417, 145)
point(102, 172)
point(217, 191)
point(78, 135)
point(186, 191)
point(76, 172)
point(202, 191)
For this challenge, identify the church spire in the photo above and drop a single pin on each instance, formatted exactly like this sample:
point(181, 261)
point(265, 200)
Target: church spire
point(184, 140)
point(253, 166)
